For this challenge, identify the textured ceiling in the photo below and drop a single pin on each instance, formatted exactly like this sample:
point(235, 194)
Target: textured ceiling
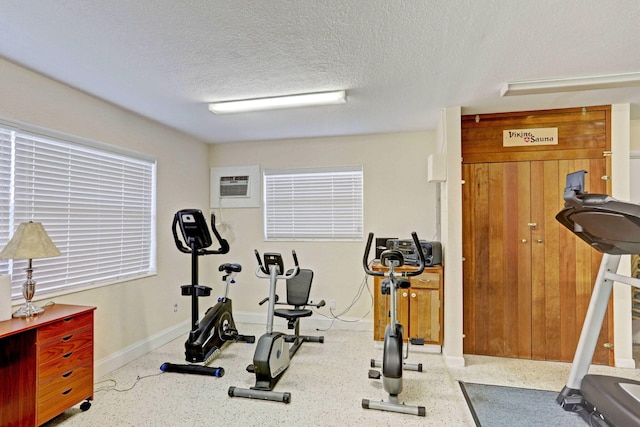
point(401, 62)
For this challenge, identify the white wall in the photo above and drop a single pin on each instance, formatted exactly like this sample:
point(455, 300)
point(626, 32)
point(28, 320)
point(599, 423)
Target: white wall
point(129, 315)
point(397, 201)
point(451, 140)
point(620, 183)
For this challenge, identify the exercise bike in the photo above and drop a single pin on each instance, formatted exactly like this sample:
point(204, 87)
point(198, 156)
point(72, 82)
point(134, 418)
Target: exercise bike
point(217, 327)
point(273, 352)
point(392, 360)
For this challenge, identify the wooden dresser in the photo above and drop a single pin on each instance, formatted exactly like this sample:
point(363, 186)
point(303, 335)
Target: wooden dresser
point(46, 364)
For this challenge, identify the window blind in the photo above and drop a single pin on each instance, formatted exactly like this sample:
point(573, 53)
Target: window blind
point(5, 192)
point(98, 207)
point(310, 204)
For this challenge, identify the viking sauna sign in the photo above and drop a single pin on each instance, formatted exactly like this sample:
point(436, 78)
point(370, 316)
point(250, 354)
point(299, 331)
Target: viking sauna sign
point(526, 137)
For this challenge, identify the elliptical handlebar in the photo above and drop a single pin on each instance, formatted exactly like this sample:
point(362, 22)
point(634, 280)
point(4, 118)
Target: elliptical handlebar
point(416, 242)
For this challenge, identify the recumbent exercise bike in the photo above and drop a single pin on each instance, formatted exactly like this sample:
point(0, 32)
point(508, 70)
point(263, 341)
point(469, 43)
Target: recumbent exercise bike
point(207, 336)
point(273, 353)
point(392, 360)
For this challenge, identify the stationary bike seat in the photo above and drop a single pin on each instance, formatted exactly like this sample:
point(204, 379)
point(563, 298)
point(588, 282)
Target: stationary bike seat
point(230, 268)
point(391, 256)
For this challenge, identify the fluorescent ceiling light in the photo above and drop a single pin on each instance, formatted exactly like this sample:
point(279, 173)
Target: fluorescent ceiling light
point(290, 101)
point(572, 84)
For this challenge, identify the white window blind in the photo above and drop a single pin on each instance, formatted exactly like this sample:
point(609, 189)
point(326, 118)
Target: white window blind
point(97, 205)
point(310, 204)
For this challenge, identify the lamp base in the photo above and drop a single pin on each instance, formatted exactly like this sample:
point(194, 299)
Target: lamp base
point(29, 309)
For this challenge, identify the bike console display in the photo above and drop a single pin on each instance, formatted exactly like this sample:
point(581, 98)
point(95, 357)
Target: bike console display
point(194, 228)
point(195, 233)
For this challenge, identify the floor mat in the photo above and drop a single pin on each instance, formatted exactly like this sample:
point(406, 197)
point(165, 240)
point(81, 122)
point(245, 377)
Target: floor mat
point(498, 406)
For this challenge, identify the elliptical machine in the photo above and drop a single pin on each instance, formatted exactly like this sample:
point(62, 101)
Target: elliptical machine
point(273, 352)
point(392, 360)
point(217, 327)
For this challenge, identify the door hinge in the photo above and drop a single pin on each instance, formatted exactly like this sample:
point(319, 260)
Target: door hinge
point(606, 154)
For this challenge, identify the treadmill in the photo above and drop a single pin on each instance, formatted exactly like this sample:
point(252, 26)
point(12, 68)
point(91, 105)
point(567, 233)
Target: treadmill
point(613, 228)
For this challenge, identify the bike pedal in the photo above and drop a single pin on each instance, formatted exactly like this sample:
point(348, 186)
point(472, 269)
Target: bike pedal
point(373, 374)
point(251, 369)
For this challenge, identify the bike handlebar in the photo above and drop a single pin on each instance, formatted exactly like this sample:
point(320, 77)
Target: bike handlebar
point(265, 273)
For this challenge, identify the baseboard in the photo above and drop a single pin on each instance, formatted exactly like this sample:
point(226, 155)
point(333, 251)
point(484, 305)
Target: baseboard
point(453, 361)
point(136, 350)
point(625, 363)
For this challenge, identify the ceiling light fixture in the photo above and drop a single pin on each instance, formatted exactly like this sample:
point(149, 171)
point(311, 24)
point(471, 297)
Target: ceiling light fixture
point(290, 101)
point(533, 87)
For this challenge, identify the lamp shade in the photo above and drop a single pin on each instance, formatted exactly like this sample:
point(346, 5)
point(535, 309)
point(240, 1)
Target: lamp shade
point(30, 241)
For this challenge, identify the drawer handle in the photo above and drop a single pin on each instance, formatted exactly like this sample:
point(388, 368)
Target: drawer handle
point(67, 338)
point(67, 355)
point(68, 319)
point(67, 374)
point(425, 280)
point(68, 391)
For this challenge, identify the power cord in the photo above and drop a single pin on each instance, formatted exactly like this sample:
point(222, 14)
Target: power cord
point(363, 285)
point(114, 384)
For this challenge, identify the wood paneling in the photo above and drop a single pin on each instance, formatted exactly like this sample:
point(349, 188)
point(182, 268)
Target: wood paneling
point(527, 287)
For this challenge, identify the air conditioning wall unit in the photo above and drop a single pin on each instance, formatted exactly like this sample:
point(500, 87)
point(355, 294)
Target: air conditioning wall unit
point(235, 187)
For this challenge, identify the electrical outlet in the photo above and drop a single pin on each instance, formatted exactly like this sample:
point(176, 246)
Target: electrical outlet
point(175, 308)
point(332, 304)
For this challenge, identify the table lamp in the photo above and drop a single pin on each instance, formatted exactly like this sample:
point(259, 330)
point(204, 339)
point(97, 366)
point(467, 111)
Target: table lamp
point(29, 241)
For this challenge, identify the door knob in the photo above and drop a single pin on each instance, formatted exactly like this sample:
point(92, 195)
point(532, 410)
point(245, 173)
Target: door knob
point(404, 294)
point(539, 240)
point(413, 295)
point(524, 240)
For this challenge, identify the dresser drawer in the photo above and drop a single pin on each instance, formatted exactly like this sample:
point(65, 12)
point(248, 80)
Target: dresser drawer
point(64, 326)
point(426, 281)
point(59, 399)
point(56, 384)
point(64, 364)
point(64, 344)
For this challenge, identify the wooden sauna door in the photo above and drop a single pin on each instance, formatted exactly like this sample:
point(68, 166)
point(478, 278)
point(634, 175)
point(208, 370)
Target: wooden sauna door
point(527, 280)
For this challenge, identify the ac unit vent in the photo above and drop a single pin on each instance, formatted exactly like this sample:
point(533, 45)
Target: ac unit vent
point(234, 186)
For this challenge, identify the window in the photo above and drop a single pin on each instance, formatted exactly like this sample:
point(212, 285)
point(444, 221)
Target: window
point(97, 205)
point(313, 204)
